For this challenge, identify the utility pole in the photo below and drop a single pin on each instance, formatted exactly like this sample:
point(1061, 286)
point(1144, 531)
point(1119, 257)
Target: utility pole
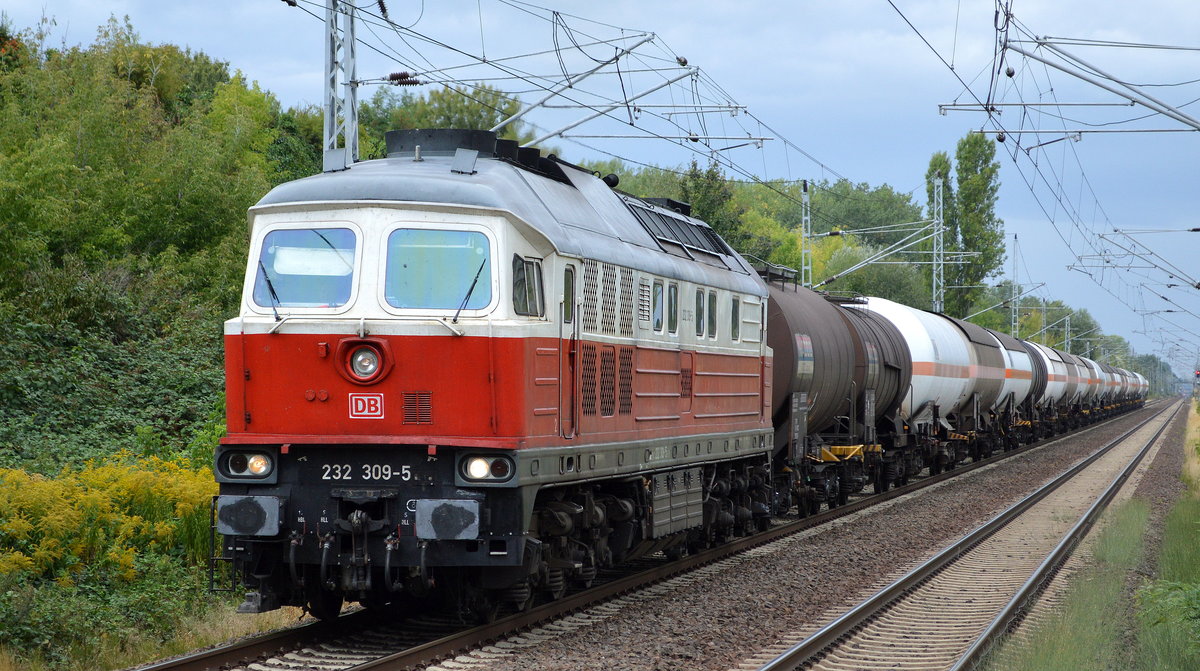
point(939, 284)
point(806, 278)
point(341, 82)
point(1068, 339)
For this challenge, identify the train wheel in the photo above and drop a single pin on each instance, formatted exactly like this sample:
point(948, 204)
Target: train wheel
point(484, 605)
point(831, 488)
point(556, 583)
point(520, 595)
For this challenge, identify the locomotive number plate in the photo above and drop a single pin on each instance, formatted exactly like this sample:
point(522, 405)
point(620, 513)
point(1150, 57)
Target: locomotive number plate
point(373, 472)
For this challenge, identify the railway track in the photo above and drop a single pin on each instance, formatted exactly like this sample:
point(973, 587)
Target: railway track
point(949, 611)
point(365, 640)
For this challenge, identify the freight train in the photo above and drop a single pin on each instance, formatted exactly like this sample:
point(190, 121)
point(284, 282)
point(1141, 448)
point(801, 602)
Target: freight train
point(471, 373)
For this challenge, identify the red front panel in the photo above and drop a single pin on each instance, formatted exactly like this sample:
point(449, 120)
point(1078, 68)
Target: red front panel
point(437, 387)
point(498, 392)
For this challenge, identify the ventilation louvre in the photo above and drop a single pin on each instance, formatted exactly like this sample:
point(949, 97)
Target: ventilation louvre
point(587, 353)
point(625, 375)
point(608, 303)
point(627, 302)
point(591, 295)
point(608, 375)
point(644, 301)
point(418, 407)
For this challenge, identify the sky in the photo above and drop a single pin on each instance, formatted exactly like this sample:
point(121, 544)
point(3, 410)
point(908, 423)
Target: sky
point(850, 89)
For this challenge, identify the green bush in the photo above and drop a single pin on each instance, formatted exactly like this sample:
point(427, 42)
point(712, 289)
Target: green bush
point(61, 624)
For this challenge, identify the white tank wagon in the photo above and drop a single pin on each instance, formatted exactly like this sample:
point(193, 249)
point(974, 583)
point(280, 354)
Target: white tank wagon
point(1020, 374)
point(941, 362)
point(1093, 383)
point(952, 379)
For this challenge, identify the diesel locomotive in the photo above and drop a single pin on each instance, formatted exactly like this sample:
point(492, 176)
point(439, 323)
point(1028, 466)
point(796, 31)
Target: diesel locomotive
point(471, 373)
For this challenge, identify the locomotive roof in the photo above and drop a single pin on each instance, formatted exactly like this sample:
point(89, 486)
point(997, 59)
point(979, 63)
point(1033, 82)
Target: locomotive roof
point(578, 213)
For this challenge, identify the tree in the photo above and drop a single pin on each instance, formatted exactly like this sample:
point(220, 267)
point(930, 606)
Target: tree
point(478, 107)
point(844, 205)
point(902, 283)
point(711, 199)
point(979, 229)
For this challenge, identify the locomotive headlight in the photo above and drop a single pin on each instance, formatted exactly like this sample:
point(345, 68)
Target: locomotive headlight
point(255, 466)
point(237, 463)
point(364, 362)
point(490, 468)
point(258, 464)
point(501, 468)
point(478, 468)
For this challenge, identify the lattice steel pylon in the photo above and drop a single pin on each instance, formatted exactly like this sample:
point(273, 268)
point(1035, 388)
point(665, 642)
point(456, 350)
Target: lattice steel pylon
point(806, 269)
point(939, 258)
point(1014, 302)
point(341, 96)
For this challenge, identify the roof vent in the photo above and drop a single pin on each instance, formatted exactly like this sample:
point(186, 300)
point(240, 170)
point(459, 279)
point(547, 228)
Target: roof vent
point(673, 205)
point(506, 149)
point(528, 156)
point(439, 141)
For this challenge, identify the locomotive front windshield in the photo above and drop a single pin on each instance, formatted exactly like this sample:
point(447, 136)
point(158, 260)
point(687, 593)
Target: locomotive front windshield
point(305, 268)
point(438, 269)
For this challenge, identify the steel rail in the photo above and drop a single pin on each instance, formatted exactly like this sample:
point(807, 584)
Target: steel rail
point(287, 640)
point(813, 646)
point(1033, 587)
point(463, 641)
point(263, 645)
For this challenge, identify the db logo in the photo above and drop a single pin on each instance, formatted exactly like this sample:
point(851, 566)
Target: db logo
point(366, 406)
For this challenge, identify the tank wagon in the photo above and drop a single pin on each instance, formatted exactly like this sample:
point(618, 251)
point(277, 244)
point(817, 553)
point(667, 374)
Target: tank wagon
point(901, 390)
point(472, 373)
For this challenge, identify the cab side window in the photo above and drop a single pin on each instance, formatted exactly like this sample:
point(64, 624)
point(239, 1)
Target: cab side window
point(657, 306)
point(712, 314)
point(569, 295)
point(735, 319)
point(673, 309)
point(527, 287)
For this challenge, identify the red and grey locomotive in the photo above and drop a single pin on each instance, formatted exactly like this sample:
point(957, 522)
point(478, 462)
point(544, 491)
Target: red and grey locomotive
point(472, 368)
point(470, 372)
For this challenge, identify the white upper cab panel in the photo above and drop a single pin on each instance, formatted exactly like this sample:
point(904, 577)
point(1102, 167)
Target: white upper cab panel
point(312, 262)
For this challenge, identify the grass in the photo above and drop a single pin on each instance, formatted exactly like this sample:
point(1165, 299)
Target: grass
point(213, 627)
point(1098, 628)
point(1168, 636)
point(1086, 633)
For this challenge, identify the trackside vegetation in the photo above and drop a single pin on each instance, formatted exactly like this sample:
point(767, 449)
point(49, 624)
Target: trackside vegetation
point(126, 169)
point(1108, 620)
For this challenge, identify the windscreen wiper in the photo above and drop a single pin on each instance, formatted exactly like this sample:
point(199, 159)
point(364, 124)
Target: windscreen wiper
point(470, 290)
point(270, 288)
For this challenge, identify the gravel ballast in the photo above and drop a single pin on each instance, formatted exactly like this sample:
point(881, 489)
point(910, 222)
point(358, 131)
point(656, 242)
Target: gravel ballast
point(734, 613)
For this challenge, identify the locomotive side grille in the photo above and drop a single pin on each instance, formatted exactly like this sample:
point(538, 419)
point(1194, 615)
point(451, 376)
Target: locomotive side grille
point(626, 380)
point(418, 407)
point(608, 302)
point(608, 374)
point(590, 295)
point(685, 382)
point(627, 302)
point(588, 354)
point(644, 301)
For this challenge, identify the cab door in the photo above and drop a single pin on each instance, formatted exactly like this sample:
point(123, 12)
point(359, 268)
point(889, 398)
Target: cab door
point(568, 356)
